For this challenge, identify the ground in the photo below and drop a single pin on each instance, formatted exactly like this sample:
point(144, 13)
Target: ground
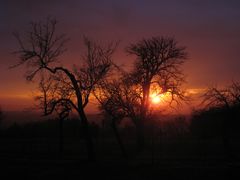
point(172, 160)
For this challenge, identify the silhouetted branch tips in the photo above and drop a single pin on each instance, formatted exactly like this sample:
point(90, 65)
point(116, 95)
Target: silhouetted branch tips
point(222, 97)
point(40, 47)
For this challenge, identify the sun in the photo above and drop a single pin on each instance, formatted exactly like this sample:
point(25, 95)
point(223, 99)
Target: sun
point(156, 99)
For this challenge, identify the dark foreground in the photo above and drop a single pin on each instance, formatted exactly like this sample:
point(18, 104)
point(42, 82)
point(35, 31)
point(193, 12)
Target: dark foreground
point(119, 169)
point(169, 158)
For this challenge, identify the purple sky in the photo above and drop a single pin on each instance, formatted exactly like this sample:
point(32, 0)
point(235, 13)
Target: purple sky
point(209, 29)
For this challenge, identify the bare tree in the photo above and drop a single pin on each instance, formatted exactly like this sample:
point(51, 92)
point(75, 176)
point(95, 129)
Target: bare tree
point(234, 90)
point(40, 52)
point(117, 100)
point(114, 119)
point(157, 66)
point(50, 90)
point(225, 98)
point(214, 97)
point(222, 97)
point(158, 63)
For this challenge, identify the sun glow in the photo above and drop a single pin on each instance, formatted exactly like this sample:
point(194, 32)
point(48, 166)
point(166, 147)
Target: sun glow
point(155, 98)
point(159, 98)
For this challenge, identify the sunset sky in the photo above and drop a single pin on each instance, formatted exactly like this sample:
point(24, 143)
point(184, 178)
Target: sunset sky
point(209, 29)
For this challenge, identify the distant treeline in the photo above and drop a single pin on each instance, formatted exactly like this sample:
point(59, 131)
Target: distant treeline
point(216, 121)
point(207, 123)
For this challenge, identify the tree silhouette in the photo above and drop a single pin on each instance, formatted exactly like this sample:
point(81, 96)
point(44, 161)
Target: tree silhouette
point(40, 52)
point(116, 101)
point(234, 90)
point(158, 64)
point(50, 90)
point(226, 99)
point(214, 97)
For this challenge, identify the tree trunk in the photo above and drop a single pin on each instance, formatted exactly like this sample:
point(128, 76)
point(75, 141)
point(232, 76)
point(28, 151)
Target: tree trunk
point(119, 140)
point(140, 122)
point(145, 100)
point(88, 137)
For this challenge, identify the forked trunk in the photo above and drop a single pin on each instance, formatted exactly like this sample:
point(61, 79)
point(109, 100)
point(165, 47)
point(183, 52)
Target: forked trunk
point(140, 121)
